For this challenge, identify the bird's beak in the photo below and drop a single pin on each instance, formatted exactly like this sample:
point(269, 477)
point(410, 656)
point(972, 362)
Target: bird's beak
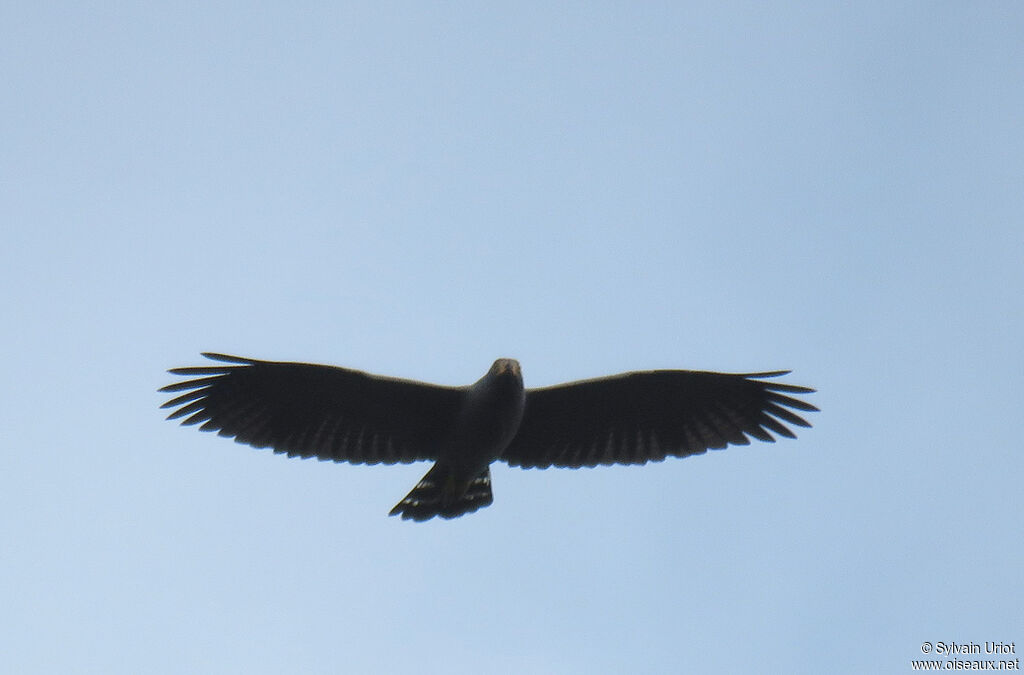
point(510, 366)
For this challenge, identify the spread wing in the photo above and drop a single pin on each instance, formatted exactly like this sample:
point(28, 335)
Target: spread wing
point(640, 417)
point(307, 410)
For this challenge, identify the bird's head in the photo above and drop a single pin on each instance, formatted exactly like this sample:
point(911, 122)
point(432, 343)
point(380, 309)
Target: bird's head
point(506, 367)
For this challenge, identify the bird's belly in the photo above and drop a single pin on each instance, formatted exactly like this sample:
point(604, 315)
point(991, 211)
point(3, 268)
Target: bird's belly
point(481, 435)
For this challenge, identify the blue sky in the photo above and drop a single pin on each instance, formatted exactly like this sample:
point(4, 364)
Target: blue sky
point(415, 189)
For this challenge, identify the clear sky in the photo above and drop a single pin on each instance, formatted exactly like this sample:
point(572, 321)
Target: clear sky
point(415, 189)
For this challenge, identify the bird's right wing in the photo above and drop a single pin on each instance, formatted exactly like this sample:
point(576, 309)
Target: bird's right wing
point(635, 418)
point(307, 410)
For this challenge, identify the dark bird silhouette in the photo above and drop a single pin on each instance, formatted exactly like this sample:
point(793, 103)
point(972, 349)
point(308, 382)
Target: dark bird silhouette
point(343, 415)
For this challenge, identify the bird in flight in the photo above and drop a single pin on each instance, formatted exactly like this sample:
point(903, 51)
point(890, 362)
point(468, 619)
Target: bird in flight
point(344, 415)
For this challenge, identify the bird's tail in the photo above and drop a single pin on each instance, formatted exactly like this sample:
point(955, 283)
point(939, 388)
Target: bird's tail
point(441, 493)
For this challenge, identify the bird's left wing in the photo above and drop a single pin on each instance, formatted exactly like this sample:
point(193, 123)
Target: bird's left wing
point(646, 416)
point(310, 410)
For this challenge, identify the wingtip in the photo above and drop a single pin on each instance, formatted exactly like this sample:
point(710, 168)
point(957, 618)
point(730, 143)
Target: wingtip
point(227, 358)
point(770, 373)
point(213, 356)
point(779, 386)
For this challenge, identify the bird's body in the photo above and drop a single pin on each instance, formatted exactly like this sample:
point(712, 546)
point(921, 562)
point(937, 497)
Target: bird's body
point(346, 415)
point(487, 421)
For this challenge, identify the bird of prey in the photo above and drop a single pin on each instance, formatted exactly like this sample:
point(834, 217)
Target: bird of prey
point(343, 415)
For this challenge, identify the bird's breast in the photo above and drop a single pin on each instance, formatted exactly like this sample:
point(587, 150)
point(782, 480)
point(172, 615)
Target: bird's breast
point(487, 422)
